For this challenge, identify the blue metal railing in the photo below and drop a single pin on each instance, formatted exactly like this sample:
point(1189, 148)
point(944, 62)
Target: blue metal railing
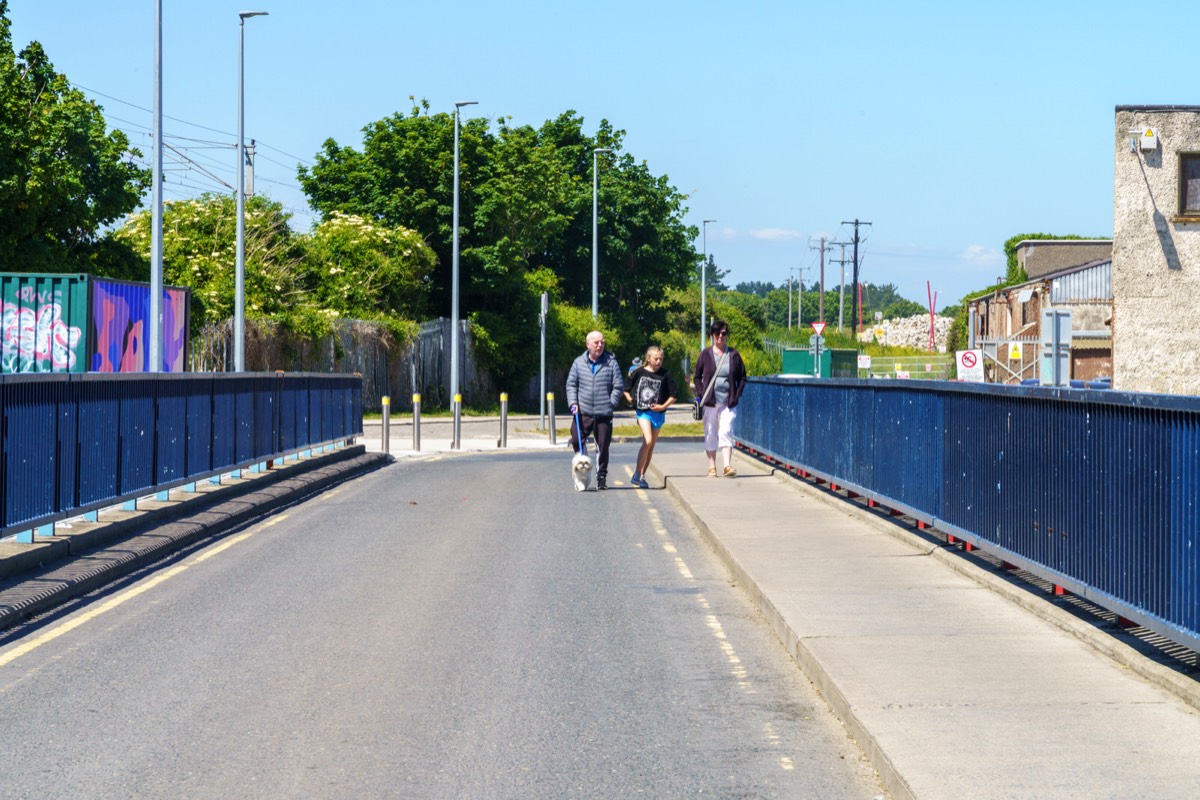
point(1098, 492)
point(73, 443)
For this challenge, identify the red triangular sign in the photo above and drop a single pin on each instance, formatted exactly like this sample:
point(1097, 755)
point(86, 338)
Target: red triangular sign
point(819, 327)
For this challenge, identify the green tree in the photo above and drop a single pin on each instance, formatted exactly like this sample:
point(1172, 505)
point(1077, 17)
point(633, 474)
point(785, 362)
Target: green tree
point(776, 308)
point(522, 207)
point(885, 298)
point(62, 175)
point(361, 270)
point(714, 276)
point(758, 288)
point(525, 206)
point(199, 240)
point(753, 306)
point(647, 246)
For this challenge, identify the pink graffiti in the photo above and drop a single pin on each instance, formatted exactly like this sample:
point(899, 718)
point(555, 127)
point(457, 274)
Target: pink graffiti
point(132, 358)
point(32, 340)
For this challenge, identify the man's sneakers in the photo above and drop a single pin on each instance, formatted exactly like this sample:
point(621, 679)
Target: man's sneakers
point(601, 483)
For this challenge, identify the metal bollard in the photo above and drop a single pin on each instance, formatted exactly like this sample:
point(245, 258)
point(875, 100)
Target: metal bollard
point(387, 424)
point(550, 407)
point(504, 419)
point(417, 423)
point(456, 438)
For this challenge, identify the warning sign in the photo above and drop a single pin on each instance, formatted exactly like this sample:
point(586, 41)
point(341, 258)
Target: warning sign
point(1014, 351)
point(970, 365)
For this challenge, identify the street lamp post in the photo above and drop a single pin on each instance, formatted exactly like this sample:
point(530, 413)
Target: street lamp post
point(239, 291)
point(454, 268)
point(703, 285)
point(156, 267)
point(596, 230)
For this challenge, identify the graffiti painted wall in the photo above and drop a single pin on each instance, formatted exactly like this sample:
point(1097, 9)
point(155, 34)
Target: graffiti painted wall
point(42, 319)
point(120, 327)
point(77, 323)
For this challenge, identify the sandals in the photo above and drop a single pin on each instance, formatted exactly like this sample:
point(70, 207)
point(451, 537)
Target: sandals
point(712, 472)
point(729, 472)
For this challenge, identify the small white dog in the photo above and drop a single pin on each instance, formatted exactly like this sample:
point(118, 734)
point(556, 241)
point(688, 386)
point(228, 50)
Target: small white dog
point(581, 471)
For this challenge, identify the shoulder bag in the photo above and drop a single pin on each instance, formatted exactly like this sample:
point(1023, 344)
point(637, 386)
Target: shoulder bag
point(698, 404)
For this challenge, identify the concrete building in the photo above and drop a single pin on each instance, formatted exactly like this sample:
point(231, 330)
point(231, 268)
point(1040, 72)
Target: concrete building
point(1006, 324)
point(1039, 257)
point(1156, 249)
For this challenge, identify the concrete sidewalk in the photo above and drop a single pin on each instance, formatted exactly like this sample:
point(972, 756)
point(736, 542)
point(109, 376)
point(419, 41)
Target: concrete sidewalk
point(952, 689)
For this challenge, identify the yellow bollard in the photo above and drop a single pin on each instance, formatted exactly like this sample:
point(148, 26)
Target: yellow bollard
point(387, 424)
point(503, 419)
point(417, 422)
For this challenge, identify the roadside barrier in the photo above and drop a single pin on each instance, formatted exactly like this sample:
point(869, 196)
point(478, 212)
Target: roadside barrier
point(1094, 492)
point(75, 443)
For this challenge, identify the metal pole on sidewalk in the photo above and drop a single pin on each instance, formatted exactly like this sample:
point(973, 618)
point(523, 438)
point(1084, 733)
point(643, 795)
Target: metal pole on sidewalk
point(456, 439)
point(504, 419)
point(550, 401)
point(387, 424)
point(542, 373)
point(417, 422)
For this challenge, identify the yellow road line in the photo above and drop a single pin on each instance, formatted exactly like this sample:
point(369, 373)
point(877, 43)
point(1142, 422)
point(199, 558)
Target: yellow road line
point(129, 594)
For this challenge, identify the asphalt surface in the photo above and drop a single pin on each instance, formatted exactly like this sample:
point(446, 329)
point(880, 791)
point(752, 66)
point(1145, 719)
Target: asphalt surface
point(955, 680)
point(408, 635)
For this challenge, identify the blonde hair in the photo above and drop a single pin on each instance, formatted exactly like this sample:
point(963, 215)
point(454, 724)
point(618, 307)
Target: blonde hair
point(649, 351)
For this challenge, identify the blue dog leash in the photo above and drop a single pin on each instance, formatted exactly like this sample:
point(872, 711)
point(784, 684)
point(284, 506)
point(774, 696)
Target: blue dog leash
point(579, 432)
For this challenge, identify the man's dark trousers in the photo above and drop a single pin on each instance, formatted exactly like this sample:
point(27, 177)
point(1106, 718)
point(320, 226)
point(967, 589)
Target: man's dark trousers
point(602, 427)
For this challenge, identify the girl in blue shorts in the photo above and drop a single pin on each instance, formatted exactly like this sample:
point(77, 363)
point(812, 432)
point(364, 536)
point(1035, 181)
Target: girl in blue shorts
point(651, 391)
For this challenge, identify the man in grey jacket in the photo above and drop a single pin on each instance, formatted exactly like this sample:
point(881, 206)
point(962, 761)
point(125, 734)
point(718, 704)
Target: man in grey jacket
point(595, 385)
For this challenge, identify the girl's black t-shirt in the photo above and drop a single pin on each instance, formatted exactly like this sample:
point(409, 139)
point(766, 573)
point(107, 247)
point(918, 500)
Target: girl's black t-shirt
point(648, 387)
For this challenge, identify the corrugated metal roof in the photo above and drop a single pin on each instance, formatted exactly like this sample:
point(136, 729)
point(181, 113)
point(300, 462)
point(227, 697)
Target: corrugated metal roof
point(1091, 283)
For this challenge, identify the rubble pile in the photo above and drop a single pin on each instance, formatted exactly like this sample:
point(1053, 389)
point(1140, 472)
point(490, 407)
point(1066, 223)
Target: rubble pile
point(909, 332)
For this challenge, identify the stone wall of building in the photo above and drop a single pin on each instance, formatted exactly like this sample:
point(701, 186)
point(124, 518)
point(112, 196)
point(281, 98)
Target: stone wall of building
point(1040, 257)
point(1156, 255)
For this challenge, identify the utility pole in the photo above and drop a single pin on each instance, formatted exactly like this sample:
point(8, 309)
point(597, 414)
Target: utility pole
point(842, 284)
point(821, 299)
point(799, 296)
point(789, 301)
point(856, 223)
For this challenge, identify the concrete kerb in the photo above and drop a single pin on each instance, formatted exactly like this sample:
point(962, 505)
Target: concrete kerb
point(1022, 594)
point(812, 668)
point(1025, 596)
point(163, 531)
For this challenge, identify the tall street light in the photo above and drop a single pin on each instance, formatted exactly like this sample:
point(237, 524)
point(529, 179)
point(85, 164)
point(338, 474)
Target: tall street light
point(156, 267)
point(454, 261)
point(703, 282)
point(596, 231)
point(239, 291)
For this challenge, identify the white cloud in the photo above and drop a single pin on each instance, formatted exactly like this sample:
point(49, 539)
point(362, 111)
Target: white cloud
point(980, 256)
point(776, 234)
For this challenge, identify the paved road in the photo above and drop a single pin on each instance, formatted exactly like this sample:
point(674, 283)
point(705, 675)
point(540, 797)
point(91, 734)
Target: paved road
point(459, 626)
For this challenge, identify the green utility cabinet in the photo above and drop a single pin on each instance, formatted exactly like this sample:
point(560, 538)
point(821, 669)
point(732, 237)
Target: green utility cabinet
point(834, 363)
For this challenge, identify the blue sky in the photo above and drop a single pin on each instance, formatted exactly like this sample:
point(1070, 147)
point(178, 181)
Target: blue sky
point(949, 126)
